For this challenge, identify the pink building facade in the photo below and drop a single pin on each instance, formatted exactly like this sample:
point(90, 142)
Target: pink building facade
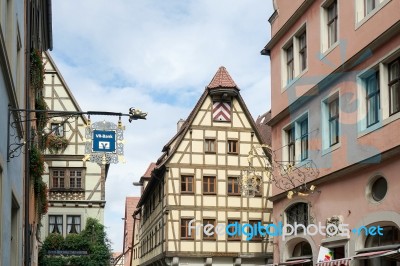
point(335, 74)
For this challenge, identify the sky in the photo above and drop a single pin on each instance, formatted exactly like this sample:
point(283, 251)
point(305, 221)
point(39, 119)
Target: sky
point(157, 56)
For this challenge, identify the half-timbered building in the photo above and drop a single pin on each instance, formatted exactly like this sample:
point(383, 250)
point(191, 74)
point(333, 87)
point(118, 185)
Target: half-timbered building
point(76, 188)
point(197, 179)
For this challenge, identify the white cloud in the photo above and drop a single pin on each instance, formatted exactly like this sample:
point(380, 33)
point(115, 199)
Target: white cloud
point(157, 56)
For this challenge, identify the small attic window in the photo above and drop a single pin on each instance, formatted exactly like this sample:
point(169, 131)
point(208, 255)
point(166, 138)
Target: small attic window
point(262, 120)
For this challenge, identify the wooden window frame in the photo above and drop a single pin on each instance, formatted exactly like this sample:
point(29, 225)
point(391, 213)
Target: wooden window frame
point(236, 237)
point(231, 180)
point(233, 149)
point(257, 237)
point(185, 180)
point(204, 236)
point(184, 223)
point(210, 145)
point(67, 179)
point(206, 181)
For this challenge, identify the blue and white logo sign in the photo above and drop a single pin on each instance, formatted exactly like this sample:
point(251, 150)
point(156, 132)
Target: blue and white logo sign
point(104, 141)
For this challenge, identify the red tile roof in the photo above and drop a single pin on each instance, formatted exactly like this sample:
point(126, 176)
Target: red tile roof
point(130, 207)
point(222, 79)
point(151, 167)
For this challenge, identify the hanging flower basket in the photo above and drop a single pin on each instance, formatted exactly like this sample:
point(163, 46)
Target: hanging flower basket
point(56, 143)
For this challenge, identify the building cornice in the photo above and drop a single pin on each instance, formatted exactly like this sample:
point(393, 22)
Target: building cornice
point(285, 28)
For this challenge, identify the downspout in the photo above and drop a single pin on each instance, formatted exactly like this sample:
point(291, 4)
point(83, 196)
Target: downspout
point(27, 132)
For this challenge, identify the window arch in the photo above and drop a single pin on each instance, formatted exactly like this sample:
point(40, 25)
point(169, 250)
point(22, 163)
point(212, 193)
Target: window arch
point(390, 236)
point(297, 213)
point(301, 249)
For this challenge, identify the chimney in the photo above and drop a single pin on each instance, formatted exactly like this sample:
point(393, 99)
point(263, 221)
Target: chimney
point(180, 124)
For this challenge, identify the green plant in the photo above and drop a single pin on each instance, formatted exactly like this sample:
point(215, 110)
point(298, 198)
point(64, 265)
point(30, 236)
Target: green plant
point(92, 239)
point(56, 143)
point(36, 167)
point(37, 70)
point(41, 121)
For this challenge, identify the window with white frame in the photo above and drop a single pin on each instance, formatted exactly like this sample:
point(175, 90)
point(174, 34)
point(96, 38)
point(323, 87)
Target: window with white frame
point(330, 121)
point(372, 98)
point(333, 115)
point(296, 141)
point(366, 8)
point(394, 86)
point(380, 87)
point(304, 139)
point(332, 23)
point(303, 51)
point(289, 63)
point(291, 145)
point(294, 56)
point(329, 25)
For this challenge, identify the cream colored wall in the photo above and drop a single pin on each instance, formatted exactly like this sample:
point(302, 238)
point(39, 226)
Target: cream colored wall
point(91, 204)
point(191, 159)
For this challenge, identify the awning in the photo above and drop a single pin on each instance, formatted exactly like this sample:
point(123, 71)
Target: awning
point(339, 262)
point(374, 254)
point(294, 262)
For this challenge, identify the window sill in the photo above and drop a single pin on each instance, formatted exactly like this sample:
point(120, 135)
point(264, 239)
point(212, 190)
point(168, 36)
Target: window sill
point(379, 125)
point(209, 193)
point(231, 194)
point(187, 193)
point(331, 149)
point(233, 153)
point(370, 15)
point(293, 81)
point(329, 50)
point(67, 190)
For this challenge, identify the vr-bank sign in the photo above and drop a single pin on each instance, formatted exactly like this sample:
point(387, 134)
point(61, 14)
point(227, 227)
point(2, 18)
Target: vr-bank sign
point(104, 141)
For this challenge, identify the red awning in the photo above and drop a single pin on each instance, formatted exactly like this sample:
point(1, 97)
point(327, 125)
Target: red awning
point(294, 262)
point(339, 262)
point(374, 254)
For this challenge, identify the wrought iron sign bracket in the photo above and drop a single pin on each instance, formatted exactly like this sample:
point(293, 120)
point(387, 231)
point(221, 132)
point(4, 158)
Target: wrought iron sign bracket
point(15, 129)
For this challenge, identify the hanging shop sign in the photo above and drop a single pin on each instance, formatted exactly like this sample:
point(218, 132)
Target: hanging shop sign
point(104, 142)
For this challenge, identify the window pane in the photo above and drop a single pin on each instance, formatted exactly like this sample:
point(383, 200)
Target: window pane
point(394, 71)
point(304, 139)
point(394, 98)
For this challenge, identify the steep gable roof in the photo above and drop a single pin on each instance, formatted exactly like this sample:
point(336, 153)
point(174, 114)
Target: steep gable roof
point(222, 79)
